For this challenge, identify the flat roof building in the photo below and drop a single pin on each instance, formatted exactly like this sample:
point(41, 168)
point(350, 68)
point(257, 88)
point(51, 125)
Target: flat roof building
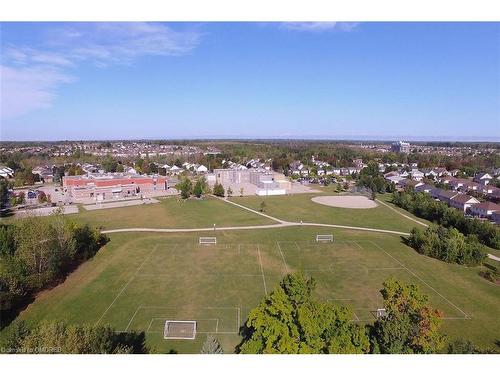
point(103, 186)
point(401, 147)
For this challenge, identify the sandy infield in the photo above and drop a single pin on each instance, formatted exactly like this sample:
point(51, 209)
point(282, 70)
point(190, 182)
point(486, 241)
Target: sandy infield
point(345, 201)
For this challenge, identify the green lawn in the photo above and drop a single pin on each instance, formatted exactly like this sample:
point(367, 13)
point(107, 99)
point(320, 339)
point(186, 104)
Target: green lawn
point(172, 213)
point(300, 207)
point(138, 280)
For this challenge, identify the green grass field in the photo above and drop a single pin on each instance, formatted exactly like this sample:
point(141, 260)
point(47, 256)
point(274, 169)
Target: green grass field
point(139, 280)
point(172, 213)
point(300, 207)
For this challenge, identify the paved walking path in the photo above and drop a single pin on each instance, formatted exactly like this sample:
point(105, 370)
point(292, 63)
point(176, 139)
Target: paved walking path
point(280, 224)
point(402, 214)
point(491, 256)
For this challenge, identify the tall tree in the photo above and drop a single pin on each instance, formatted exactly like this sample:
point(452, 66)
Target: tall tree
point(290, 320)
point(410, 325)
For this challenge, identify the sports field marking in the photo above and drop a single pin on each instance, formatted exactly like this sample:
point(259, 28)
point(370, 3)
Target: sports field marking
point(236, 308)
point(297, 245)
point(197, 320)
point(385, 268)
point(127, 284)
point(207, 274)
point(282, 257)
point(262, 270)
point(419, 278)
point(356, 316)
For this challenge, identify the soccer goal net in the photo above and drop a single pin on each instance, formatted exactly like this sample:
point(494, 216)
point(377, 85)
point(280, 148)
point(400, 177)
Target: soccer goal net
point(380, 313)
point(324, 238)
point(208, 241)
point(179, 330)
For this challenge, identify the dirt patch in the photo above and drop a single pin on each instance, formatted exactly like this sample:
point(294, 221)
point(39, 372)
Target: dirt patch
point(345, 201)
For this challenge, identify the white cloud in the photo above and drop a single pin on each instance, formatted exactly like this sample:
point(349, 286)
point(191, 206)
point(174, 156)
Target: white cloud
point(30, 77)
point(26, 89)
point(122, 43)
point(320, 26)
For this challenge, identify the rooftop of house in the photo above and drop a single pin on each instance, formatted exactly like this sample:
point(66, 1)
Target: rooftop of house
point(488, 206)
point(463, 198)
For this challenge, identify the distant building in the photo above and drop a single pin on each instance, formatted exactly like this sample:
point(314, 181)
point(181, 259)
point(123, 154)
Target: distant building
point(401, 147)
point(103, 186)
point(263, 181)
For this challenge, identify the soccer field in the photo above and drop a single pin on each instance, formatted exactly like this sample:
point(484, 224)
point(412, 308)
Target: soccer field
point(138, 281)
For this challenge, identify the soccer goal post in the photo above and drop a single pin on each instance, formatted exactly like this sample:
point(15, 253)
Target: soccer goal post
point(324, 238)
point(208, 241)
point(180, 330)
point(380, 313)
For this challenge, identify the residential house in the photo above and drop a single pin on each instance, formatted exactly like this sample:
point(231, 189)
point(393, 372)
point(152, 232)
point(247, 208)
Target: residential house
point(462, 202)
point(496, 217)
point(458, 183)
point(407, 183)
point(484, 209)
point(424, 188)
point(6, 172)
point(446, 180)
point(483, 178)
point(416, 175)
point(446, 195)
point(201, 169)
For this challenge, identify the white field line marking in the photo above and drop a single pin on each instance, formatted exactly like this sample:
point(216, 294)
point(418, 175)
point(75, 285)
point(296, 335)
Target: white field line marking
point(423, 281)
point(402, 214)
point(149, 326)
point(201, 332)
point(208, 274)
point(127, 284)
point(239, 321)
point(262, 270)
point(297, 245)
point(356, 316)
point(385, 268)
point(282, 257)
point(131, 319)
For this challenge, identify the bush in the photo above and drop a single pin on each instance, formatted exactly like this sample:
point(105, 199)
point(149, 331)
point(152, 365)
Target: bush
point(37, 252)
point(219, 190)
point(424, 206)
point(448, 245)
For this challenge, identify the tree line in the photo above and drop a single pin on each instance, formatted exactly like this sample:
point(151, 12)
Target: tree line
point(424, 206)
point(448, 245)
point(50, 337)
point(37, 252)
point(291, 320)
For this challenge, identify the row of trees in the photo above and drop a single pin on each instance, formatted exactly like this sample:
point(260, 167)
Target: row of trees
point(371, 178)
point(291, 320)
point(448, 245)
point(424, 206)
point(200, 188)
point(59, 337)
point(36, 252)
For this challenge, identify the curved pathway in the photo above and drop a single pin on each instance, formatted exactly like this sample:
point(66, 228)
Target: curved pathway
point(279, 224)
point(402, 214)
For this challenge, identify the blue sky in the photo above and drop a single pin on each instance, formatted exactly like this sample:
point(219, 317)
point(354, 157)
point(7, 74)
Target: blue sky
point(314, 80)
